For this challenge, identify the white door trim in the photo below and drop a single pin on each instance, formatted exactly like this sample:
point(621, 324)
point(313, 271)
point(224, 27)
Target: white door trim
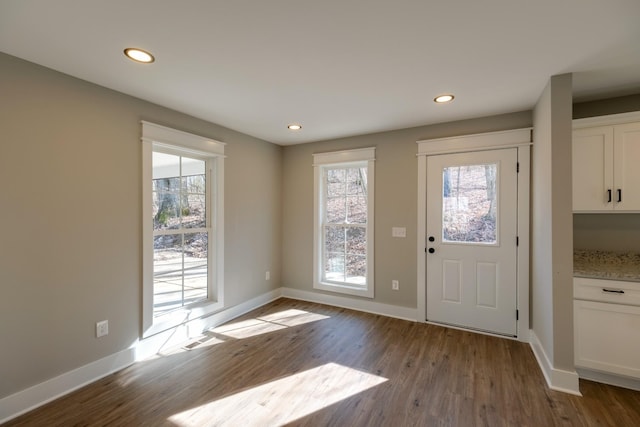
point(520, 139)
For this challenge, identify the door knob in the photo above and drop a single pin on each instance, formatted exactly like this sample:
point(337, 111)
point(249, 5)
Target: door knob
point(432, 239)
point(431, 250)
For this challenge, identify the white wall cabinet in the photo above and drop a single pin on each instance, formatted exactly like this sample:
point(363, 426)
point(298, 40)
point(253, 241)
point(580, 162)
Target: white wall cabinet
point(606, 171)
point(607, 326)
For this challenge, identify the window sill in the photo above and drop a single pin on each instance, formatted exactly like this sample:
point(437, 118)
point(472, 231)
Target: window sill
point(345, 289)
point(181, 316)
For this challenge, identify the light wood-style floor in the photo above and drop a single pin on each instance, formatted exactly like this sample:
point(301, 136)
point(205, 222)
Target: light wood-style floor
point(302, 364)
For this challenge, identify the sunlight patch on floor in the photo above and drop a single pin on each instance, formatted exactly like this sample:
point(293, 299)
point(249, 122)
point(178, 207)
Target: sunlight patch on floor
point(293, 317)
point(268, 323)
point(281, 401)
point(242, 329)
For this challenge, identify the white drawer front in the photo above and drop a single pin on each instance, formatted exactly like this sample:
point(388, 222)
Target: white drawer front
point(612, 291)
point(607, 337)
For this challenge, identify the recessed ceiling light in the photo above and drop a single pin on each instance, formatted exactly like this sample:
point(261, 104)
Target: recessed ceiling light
point(139, 55)
point(294, 127)
point(441, 99)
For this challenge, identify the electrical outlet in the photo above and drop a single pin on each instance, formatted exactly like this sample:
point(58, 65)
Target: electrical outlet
point(398, 232)
point(102, 328)
point(395, 285)
point(267, 275)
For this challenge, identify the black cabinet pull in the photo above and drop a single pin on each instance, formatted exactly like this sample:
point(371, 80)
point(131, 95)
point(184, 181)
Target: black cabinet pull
point(619, 195)
point(613, 291)
point(609, 193)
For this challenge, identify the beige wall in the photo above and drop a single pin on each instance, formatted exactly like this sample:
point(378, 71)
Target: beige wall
point(70, 167)
point(602, 107)
point(395, 202)
point(607, 232)
point(551, 224)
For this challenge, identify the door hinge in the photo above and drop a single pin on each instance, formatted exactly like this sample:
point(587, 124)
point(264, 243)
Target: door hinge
point(517, 315)
point(518, 167)
point(517, 240)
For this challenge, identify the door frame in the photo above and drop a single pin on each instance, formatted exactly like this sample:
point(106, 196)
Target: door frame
point(522, 139)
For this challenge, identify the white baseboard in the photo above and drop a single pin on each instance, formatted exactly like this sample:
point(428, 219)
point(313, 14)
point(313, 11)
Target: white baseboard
point(39, 394)
point(611, 379)
point(367, 306)
point(158, 343)
point(26, 400)
point(557, 379)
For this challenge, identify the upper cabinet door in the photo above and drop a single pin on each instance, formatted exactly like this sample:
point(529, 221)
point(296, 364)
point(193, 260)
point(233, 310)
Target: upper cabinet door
point(593, 169)
point(626, 167)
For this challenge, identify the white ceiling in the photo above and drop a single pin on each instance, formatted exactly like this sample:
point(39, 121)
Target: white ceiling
point(338, 67)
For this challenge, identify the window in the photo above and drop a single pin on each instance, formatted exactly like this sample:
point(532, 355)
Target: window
point(343, 221)
point(182, 227)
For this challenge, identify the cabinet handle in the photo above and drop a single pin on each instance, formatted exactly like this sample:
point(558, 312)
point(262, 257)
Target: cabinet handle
point(619, 195)
point(609, 192)
point(613, 291)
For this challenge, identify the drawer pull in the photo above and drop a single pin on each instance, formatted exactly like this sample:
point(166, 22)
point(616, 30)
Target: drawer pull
point(613, 291)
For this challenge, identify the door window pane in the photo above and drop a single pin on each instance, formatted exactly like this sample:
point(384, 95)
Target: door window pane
point(469, 204)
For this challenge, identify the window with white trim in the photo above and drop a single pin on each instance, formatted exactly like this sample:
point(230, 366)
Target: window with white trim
point(182, 227)
point(343, 221)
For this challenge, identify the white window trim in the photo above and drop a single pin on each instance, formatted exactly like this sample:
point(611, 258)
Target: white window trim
point(159, 137)
point(344, 158)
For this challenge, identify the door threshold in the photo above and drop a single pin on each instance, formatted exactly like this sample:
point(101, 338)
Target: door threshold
point(468, 329)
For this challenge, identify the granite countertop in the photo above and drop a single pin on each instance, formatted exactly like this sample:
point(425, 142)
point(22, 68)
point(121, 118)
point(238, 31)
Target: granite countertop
point(606, 265)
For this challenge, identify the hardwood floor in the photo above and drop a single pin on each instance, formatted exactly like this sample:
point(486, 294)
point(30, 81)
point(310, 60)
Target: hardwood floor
point(302, 364)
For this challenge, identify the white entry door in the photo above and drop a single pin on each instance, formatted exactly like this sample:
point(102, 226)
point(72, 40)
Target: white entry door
point(472, 211)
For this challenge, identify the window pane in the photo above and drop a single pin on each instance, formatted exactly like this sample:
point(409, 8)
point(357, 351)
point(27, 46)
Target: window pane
point(180, 270)
point(167, 273)
point(349, 266)
point(357, 209)
point(334, 267)
point(193, 211)
point(336, 210)
point(166, 207)
point(165, 165)
point(179, 188)
point(335, 179)
point(194, 184)
point(356, 240)
point(193, 199)
point(356, 180)
point(469, 204)
point(334, 244)
point(356, 269)
point(195, 267)
point(192, 166)
point(334, 239)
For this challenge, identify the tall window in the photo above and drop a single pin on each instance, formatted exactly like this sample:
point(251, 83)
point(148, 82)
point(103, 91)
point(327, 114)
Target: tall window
point(343, 237)
point(181, 230)
point(182, 223)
